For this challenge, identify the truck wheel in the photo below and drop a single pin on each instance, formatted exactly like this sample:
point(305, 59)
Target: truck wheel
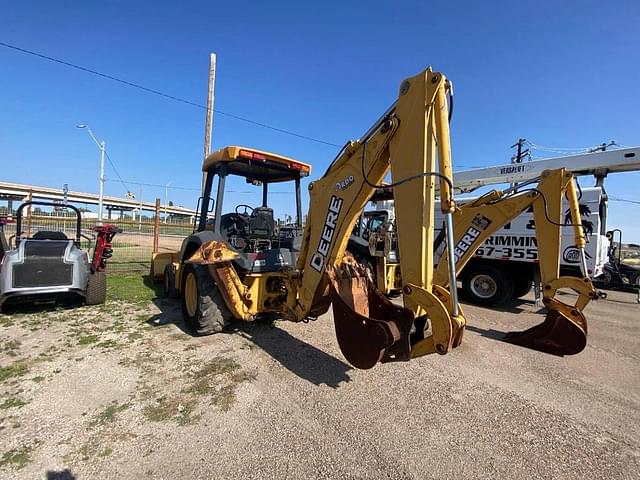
point(203, 307)
point(487, 285)
point(522, 285)
point(169, 282)
point(96, 292)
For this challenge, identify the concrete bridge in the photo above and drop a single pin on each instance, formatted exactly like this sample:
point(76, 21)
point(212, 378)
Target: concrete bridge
point(21, 192)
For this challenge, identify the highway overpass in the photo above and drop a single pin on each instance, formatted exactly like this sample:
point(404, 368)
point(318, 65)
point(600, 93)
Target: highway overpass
point(20, 192)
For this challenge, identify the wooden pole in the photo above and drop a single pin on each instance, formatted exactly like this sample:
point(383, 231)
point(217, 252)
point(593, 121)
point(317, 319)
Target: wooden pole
point(156, 227)
point(208, 124)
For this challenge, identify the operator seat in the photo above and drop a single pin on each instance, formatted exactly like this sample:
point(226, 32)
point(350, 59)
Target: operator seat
point(49, 235)
point(262, 223)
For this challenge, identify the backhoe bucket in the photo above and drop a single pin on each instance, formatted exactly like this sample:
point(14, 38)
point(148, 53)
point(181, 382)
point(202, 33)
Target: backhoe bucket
point(563, 332)
point(369, 328)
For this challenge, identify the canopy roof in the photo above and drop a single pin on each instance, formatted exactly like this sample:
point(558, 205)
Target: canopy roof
point(255, 164)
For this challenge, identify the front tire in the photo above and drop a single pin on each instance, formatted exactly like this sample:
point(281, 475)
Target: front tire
point(487, 285)
point(203, 307)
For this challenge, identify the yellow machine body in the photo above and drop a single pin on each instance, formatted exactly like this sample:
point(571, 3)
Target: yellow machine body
point(411, 143)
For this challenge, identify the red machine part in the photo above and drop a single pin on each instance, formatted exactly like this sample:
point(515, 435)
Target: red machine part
point(103, 249)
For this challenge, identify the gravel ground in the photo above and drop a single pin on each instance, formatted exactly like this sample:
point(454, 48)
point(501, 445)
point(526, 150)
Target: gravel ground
point(121, 391)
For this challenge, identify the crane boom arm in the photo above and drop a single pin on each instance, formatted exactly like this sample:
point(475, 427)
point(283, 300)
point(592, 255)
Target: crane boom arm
point(596, 163)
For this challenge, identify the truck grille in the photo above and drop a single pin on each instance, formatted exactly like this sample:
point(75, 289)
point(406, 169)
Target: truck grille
point(43, 265)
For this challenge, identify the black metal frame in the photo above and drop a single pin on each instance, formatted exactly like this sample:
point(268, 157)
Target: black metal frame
point(222, 173)
point(47, 204)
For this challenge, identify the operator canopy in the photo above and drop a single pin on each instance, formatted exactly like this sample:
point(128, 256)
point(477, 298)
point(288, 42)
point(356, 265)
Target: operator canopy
point(256, 165)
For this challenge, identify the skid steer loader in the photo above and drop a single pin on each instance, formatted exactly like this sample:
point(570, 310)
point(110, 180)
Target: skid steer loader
point(239, 267)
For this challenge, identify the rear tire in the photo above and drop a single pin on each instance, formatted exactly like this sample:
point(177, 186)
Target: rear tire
point(203, 307)
point(522, 284)
point(96, 293)
point(487, 285)
point(169, 282)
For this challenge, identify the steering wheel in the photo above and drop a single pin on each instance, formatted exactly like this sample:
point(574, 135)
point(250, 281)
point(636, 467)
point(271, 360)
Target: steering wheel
point(242, 205)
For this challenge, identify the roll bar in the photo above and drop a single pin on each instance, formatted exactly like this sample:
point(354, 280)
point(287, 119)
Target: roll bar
point(46, 204)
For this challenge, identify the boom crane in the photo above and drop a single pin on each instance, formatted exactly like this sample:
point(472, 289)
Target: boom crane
point(598, 164)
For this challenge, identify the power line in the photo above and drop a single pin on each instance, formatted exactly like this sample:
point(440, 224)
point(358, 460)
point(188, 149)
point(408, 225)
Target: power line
point(175, 187)
point(143, 184)
point(165, 95)
point(113, 165)
point(617, 199)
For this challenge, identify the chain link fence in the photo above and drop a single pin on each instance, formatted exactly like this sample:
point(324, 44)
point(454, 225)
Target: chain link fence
point(132, 248)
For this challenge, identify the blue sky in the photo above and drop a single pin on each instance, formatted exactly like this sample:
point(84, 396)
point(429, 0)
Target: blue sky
point(563, 74)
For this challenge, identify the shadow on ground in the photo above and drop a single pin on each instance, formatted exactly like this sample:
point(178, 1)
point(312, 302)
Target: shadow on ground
point(60, 475)
point(297, 356)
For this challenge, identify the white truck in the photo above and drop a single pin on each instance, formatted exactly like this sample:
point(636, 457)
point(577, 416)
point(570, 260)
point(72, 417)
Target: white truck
point(505, 266)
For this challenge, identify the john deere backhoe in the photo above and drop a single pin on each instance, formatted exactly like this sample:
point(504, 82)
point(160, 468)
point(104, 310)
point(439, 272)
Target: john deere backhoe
point(240, 267)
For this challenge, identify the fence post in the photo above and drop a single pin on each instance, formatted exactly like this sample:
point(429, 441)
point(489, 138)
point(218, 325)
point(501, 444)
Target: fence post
point(156, 227)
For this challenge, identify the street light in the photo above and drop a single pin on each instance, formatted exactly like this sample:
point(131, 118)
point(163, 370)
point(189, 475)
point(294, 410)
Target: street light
point(102, 147)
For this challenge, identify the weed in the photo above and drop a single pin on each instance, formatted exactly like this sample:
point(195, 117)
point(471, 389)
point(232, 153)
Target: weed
point(11, 345)
point(12, 403)
point(108, 344)
point(17, 456)
point(38, 379)
point(108, 415)
point(87, 339)
point(178, 409)
point(217, 366)
point(6, 321)
point(133, 336)
point(106, 452)
point(17, 369)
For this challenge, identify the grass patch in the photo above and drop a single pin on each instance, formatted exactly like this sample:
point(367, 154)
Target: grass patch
point(178, 409)
point(106, 452)
point(19, 457)
point(108, 415)
point(38, 379)
point(132, 288)
point(17, 369)
point(108, 344)
point(87, 339)
point(6, 321)
point(11, 346)
point(219, 380)
point(12, 403)
point(133, 336)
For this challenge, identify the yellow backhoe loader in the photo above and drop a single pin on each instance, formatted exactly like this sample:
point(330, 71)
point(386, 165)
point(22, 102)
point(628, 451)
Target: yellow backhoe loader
point(240, 266)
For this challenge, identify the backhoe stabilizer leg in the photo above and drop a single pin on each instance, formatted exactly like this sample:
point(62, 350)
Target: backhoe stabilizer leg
point(564, 329)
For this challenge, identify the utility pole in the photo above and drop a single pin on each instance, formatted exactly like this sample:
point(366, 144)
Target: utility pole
point(166, 200)
point(208, 124)
point(521, 154)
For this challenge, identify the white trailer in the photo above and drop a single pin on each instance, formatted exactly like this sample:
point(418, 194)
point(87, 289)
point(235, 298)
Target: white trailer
point(505, 266)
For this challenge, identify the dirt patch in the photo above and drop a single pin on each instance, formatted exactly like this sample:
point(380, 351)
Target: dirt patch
point(99, 381)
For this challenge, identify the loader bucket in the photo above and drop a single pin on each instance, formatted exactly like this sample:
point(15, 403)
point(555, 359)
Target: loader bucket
point(369, 328)
point(563, 332)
